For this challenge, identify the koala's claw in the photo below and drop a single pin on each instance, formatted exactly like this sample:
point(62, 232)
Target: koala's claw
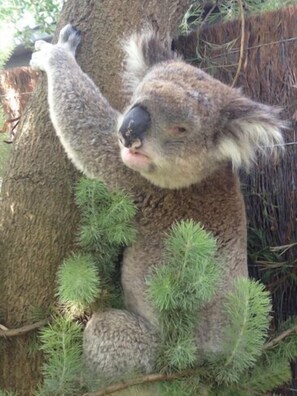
point(70, 36)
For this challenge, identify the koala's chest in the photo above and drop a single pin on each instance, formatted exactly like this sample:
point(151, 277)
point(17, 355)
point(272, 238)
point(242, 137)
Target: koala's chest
point(219, 209)
point(222, 215)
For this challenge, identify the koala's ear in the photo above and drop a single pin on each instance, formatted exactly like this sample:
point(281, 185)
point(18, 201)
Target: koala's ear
point(249, 128)
point(143, 50)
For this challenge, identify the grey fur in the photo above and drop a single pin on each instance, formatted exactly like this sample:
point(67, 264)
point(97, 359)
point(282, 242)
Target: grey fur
point(200, 129)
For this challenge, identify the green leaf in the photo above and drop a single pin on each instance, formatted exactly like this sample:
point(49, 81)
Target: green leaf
point(182, 353)
point(187, 279)
point(188, 242)
point(247, 307)
point(106, 217)
point(268, 374)
point(62, 346)
point(190, 274)
point(78, 282)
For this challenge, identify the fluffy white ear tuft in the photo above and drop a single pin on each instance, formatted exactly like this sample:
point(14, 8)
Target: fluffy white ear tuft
point(250, 128)
point(135, 66)
point(143, 50)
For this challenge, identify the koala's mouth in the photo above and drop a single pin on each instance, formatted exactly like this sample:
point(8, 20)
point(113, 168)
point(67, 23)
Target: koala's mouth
point(136, 160)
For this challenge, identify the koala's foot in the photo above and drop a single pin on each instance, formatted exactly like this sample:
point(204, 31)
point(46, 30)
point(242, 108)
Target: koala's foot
point(118, 343)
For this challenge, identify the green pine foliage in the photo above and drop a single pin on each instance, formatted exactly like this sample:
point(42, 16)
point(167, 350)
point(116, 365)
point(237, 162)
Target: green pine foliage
point(179, 350)
point(248, 307)
point(267, 374)
point(106, 222)
point(228, 10)
point(188, 279)
point(62, 346)
point(106, 226)
point(229, 390)
point(184, 387)
point(78, 283)
point(106, 217)
point(191, 273)
point(273, 369)
point(287, 348)
point(4, 393)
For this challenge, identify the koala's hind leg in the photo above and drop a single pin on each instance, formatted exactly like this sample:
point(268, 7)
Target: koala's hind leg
point(118, 344)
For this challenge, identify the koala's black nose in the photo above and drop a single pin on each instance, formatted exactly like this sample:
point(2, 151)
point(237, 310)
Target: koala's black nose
point(134, 125)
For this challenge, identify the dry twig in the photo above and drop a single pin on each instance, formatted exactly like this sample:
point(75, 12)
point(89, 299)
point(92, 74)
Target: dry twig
point(280, 338)
point(24, 329)
point(242, 41)
point(143, 379)
point(206, 18)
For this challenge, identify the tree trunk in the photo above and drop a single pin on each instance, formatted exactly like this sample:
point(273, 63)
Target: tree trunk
point(38, 215)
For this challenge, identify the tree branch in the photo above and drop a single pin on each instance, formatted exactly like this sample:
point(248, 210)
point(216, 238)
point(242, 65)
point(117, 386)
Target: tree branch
point(280, 338)
point(24, 329)
point(205, 19)
point(242, 41)
point(143, 379)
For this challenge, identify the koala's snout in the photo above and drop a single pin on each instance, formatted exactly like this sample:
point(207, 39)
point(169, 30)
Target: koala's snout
point(135, 123)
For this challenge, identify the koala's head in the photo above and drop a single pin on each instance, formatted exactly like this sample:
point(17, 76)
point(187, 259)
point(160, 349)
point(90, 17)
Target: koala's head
point(182, 125)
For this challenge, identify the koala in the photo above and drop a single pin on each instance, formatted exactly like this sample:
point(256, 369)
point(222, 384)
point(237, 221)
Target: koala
point(175, 149)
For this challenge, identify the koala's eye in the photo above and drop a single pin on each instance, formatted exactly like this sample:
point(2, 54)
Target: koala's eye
point(178, 130)
point(181, 129)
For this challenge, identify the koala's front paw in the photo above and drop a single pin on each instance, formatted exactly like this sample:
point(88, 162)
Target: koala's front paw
point(69, 37)
point(39, 58)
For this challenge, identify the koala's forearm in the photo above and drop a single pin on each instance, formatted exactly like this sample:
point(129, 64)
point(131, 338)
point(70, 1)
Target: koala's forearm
point(83, 119)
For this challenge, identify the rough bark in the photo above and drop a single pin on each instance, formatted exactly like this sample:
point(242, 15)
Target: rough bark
point(38, 214)
point(38, 221)
point(16, 86)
